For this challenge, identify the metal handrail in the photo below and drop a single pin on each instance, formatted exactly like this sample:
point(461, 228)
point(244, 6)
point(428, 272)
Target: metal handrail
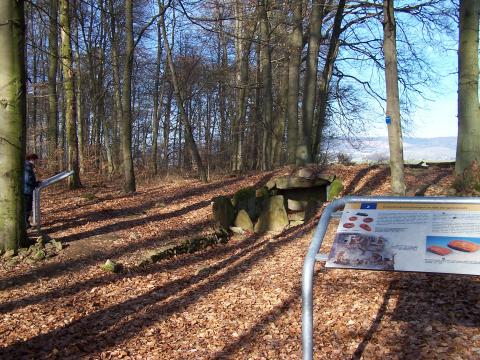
point(316, 243)
point(36, 195)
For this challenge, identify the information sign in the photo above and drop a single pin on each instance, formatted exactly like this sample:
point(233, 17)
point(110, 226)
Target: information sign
point(443, 238)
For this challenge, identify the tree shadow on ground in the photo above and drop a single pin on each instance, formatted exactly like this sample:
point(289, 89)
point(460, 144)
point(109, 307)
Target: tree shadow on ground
point(376, 180)
point(105, 214)
point(424, 300)
point(423, 189)
point(109, 327)
point(358, 177)
point(52, 270)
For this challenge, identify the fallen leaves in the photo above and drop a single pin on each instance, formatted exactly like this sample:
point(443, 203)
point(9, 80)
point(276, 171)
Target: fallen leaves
point(239, 300)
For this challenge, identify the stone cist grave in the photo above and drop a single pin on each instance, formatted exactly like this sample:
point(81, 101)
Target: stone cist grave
point(283, 202)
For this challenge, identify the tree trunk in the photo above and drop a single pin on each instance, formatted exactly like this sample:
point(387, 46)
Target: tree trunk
point(78, 94)
point(178, 98)
point(296, 46)
point(393, 104)
point(326, 76)
point(52, 133)
point(157, 101)
point(126, 124)
point(266, 65)
point(304, 147)
point(69, 94)
point(13, 121)
point(468, 143)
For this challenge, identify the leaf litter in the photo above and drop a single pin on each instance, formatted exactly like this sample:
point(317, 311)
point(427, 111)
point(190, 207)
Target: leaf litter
point(239, 300)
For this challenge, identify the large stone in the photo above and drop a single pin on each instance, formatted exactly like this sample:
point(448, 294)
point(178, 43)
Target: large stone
point(289, 182)
point(334, 190)
point(296, 205)
point(223, 211)
point(273, 217)
point(243, 221)
point(296, 216)
point(298, 182)
point(244, 199)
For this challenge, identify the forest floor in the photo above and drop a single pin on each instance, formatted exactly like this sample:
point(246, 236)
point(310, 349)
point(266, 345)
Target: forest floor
point(239, 300)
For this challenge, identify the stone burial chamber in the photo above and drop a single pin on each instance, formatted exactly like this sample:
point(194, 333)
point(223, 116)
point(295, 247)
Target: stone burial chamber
point(285, 201)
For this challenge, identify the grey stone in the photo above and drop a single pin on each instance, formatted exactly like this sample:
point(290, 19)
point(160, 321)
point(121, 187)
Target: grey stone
point(223, 211)
point(237, 230)
point(9, 254)
point(273, 217)
point(289, 182)
point(270, 184)
point(296, 205)
point(111, 266)
point(57, 244)
point(305, 173)
point(297, 216)
point(296, 223)
point(243, 221)
point(39, 255)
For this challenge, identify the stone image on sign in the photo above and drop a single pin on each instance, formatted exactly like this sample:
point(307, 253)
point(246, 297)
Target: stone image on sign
point(369, 252)
point(443, 238)
point(453, 248)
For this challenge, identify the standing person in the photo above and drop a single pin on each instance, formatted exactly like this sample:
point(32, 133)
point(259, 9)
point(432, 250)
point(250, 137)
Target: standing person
point(29, 184)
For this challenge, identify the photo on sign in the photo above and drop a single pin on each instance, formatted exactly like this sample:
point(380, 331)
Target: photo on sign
point(453, 248)
point(359, 221)
point(354, 250)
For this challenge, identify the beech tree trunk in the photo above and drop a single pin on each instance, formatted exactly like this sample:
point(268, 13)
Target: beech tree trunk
point(326, 76)
point(69, 96)
point(190, 140)
point(266, 66)
point(393, 103)
point(304, 146)
point(126, 123)
point(52, 133)
point(296, 46)
point(468, 142)
point(12, 123)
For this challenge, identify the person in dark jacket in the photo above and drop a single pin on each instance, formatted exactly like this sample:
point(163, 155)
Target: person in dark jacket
point(29, 184)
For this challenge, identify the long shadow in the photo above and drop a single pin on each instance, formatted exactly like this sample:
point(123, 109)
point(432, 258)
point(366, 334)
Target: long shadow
point(83, 334)
point(86, 285)
point(359, 176)
point(374, 182)
point(105, 214)
point(53, 270)
point(375, 324)
point(128, 224)
point(423, 189)
point(423, 299)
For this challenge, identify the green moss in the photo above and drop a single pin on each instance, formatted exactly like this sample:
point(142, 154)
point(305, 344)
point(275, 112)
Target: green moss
point(243, 195)
point(336, 187)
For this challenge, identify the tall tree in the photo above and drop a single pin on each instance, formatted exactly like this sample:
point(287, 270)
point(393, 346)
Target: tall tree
point(468, 143)
point(190, 140)
point(304, 144)
point(126, 123)
point(69, 96)
point(266, 66)
point(326, 76)
point(52, 134)
point(296, 46)
point(393, 103)
point(12, 123)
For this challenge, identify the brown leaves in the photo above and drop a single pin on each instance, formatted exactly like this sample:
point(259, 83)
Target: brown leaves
point(240, 300)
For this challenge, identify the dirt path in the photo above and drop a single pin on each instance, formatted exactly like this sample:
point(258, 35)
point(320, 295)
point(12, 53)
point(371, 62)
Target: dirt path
point(237, 301)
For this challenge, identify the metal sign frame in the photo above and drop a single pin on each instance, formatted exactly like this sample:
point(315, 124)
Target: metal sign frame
point(36, 216)
point(313, 255)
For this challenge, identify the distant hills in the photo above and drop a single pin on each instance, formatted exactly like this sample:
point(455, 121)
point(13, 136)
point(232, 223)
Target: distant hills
point(375, 149)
